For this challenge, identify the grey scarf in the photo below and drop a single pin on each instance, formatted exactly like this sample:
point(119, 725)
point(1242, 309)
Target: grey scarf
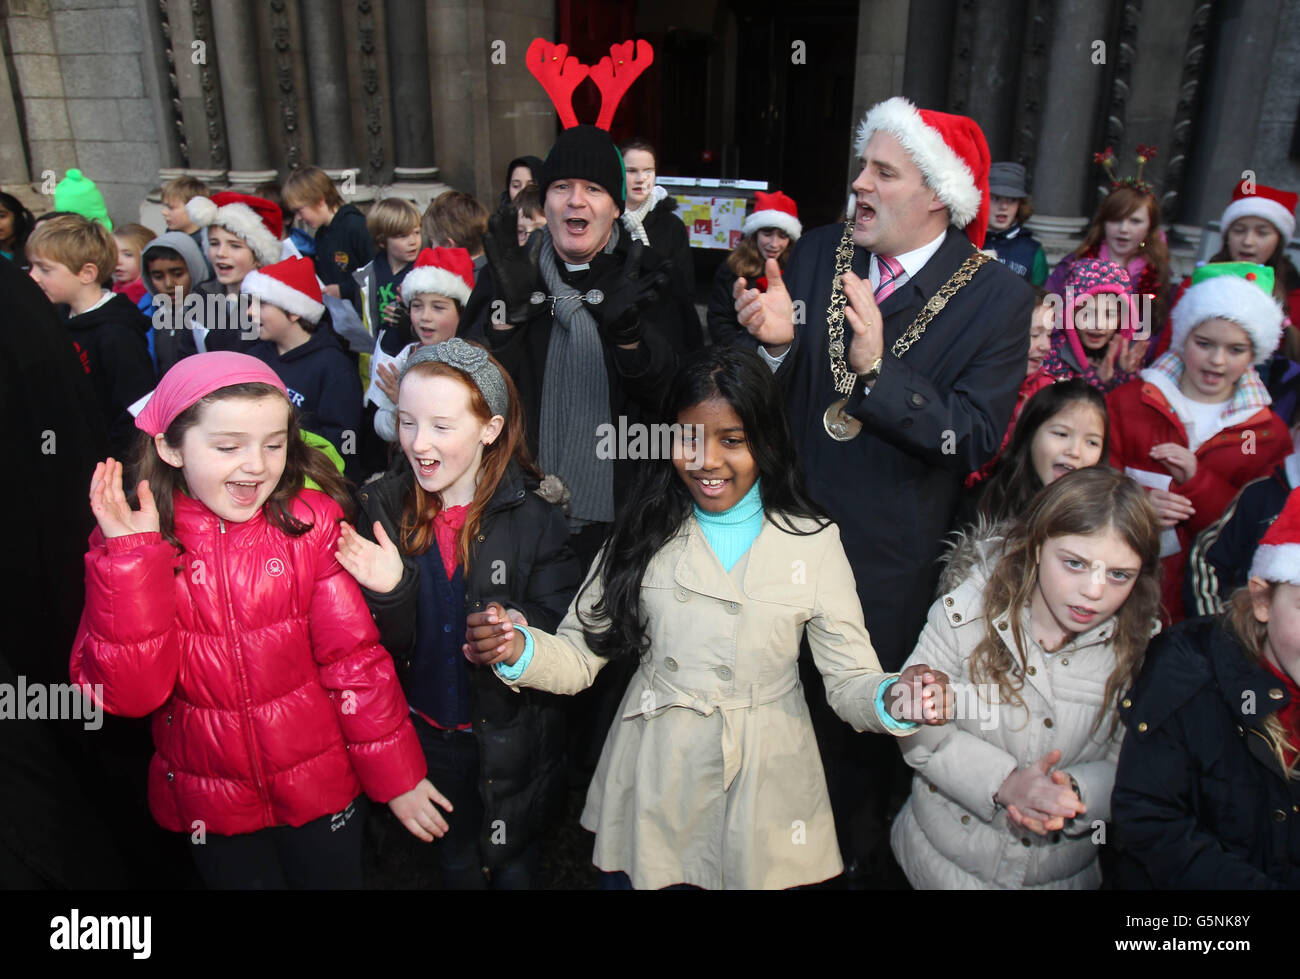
point(575, 398)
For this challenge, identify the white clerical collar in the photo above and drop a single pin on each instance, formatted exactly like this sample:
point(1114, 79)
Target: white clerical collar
point(577, 268)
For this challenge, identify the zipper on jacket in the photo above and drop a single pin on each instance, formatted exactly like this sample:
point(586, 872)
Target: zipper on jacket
point(231, 637)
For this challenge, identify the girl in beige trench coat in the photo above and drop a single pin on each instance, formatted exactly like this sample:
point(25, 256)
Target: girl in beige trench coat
point(716, 567)
point(1041, 630)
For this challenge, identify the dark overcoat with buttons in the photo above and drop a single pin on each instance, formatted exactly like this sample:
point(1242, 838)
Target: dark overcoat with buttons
point(521, 559)
point(950, 834)
point(1200, 799)
point(935, 414)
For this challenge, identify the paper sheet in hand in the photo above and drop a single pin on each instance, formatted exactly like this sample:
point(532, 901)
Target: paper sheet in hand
point(1161, 481)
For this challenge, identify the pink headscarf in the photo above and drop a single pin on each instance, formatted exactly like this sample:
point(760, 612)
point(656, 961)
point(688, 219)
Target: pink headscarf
point(195, 378)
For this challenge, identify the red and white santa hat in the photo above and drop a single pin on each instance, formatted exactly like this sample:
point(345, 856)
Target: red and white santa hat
point(256, 220)
point(775, 210)
point(950, 152)
point(1252, 200)
point(446, 271)
point(1277, 559)
point(290, 285)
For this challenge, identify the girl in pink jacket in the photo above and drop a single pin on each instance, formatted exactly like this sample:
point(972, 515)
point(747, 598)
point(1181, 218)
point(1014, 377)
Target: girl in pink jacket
point(218, 607)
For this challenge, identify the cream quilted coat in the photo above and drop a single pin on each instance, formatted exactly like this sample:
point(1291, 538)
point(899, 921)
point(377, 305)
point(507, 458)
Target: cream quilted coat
point(711, 774)
point(949, 833)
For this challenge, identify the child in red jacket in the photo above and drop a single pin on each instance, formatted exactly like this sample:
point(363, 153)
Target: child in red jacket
point(219, 608)
point(1196, 425)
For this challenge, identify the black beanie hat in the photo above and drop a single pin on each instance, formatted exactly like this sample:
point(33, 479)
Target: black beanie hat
point(586, 153)
point(533, 164)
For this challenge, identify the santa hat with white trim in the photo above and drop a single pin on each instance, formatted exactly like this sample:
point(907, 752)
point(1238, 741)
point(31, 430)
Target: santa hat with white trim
point(775, 210)
point(290, 285)
point(1251, 200)
point(950, 152)
point(1241, 292)
point(446, 271)
point(1277, 559)
point(255, 220)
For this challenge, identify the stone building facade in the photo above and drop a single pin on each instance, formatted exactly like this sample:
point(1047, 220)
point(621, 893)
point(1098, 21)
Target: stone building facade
point(414, 95)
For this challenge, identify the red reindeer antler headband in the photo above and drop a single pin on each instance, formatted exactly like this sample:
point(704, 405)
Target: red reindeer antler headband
point(560, 73)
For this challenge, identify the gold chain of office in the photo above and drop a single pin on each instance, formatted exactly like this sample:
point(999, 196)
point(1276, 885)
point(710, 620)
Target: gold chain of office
point(844, 377)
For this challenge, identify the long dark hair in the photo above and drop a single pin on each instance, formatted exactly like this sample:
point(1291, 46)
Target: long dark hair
point(1119, 204)
point(23, 224)
point(660, 503)
point(301, 461)
point(1014, 481)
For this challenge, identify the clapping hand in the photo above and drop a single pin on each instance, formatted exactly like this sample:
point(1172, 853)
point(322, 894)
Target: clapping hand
point(1039, 799)
point(768, 316)
point(110, 506)
point(377, 565)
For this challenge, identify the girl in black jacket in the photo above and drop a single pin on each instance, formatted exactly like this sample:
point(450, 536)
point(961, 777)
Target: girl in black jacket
point(1206, 793)
point(457, 523)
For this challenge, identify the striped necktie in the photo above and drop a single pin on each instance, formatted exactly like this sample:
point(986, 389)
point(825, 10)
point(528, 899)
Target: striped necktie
point(889, 270)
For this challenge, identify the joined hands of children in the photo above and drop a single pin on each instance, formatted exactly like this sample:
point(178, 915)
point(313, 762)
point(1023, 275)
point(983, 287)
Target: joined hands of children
point(416, 811)
point(1039, 799)
point(112, 509)
point(921, 695)
point(377, 564)
point(493, 637)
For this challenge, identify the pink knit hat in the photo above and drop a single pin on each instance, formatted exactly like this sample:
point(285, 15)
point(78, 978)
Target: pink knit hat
point(194, 378)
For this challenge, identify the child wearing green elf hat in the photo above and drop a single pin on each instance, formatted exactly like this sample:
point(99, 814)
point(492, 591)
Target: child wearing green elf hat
point(1196, 425)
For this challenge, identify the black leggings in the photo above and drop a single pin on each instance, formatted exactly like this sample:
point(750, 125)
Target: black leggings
point(324, 854)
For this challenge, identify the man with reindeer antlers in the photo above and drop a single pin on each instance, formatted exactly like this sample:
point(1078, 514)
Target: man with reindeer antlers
point(900, 382)
point(581, 316)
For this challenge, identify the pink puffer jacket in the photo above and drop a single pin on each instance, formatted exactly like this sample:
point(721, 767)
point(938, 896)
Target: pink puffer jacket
point(273, 701)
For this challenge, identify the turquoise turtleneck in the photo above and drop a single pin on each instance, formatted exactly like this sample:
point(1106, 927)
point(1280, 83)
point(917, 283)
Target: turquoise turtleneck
point(731, 532)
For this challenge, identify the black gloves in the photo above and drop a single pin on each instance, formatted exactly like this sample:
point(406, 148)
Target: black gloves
point(514, 268)
point(625, 294)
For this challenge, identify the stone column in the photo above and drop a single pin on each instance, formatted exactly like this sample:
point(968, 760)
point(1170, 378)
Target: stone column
point(985, 71)
point(408, 77)
point(1242, 62)
point(1074, 90)
point(235, 44)
point(883, 29)
point(326, 61)
point(929, 50)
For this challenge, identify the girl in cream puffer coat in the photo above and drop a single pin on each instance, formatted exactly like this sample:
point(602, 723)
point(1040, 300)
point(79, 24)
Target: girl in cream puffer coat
point(1013, 792)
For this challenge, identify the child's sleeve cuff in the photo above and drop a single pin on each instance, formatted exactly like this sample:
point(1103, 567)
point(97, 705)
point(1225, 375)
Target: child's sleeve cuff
point(891, 723)
point(513, 673)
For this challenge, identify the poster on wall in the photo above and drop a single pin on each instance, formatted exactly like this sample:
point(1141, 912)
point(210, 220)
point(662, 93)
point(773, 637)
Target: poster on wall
point(713, 210)
point(712, 222)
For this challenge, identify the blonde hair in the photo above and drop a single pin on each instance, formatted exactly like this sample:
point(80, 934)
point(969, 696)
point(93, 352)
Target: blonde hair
point(308, 186)
point(136, 234)
point(1085, 502)
point(391, 217)
point(1251, 634)
point(183, 189)
point(75, 241)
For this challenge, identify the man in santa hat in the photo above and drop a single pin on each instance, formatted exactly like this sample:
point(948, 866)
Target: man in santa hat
point(891, 402)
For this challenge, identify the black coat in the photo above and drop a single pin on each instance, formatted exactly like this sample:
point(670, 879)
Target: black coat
point(933, 416)
point(638, 378)
point(520, 558)
point(1219, 563)
point(724, 324)
point(670, 239)
point(112, 343)
point(1200, 800)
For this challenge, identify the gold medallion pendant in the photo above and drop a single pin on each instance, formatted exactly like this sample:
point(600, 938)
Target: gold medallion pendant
point(840, 426)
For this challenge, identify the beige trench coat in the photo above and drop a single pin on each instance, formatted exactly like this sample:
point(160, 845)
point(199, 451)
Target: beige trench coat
point(949, 833)
point(711, 775)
